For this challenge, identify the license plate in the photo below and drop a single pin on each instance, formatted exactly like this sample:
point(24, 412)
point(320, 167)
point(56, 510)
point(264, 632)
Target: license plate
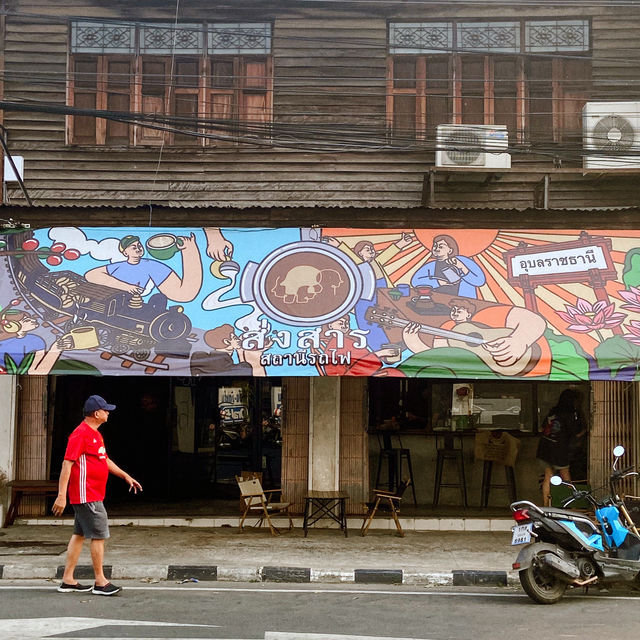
point(522, 533)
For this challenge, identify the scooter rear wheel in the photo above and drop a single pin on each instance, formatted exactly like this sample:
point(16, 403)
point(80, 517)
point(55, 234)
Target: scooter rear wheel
point(540, 584)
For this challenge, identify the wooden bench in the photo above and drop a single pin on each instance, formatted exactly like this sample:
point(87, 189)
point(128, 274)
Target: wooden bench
point(20, 488)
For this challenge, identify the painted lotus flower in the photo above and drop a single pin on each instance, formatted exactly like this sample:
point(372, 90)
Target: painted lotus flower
point(632, 296)
point(634, 336)
point(585, 317)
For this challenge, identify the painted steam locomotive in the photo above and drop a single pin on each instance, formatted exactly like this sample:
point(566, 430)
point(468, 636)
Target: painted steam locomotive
point(124, 323)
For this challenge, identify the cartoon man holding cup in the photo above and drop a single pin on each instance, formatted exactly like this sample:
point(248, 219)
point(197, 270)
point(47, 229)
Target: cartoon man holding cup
point(136, 272)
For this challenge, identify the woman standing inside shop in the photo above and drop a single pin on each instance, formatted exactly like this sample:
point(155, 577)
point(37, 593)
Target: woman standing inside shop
point(561, 427)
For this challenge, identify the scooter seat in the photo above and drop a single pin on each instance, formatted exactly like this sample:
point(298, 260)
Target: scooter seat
point(559, 514)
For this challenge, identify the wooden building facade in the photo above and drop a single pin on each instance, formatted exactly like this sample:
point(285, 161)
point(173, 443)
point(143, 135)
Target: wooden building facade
point(273, 114)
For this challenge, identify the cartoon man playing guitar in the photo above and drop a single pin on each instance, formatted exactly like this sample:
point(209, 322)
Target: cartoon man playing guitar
point(509, 340)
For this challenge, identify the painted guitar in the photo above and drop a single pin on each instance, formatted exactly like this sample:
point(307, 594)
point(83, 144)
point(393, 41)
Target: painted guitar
point(467, 335)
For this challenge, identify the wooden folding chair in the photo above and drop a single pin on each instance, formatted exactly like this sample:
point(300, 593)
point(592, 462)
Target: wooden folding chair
point(257, 503)
point(387, 501)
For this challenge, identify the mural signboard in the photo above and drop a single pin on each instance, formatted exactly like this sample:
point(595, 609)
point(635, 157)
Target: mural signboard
point(471, 304)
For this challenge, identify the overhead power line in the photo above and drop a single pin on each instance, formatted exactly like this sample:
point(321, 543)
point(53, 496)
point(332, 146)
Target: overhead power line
point(300, 137)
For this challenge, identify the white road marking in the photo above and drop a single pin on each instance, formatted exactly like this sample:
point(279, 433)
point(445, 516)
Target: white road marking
point(463, 594)
point(45, 627)
point(274, 635)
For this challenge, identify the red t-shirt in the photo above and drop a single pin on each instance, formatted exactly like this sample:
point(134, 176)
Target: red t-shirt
point(89, 473)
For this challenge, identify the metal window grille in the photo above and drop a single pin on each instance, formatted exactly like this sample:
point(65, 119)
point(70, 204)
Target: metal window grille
point(168, 39)
point(420, 37)
point(245, 38)
point(489, 37)
point(557, 35)
point(541, 36)
point(239, 38)
point(98, 37)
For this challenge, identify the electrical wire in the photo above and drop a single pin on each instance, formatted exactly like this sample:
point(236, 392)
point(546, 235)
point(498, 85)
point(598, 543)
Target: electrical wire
point(320, 139)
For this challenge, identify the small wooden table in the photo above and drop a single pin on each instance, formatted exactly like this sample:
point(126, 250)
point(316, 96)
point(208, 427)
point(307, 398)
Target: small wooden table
point(21, 488)
point(321, 504)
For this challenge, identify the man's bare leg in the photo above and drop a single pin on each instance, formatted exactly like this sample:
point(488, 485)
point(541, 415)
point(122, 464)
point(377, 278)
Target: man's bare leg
point(74, 549)
point(97, 557)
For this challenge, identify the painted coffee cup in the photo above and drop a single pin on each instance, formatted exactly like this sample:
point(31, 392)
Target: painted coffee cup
point(80, 338)
point(163, 246)
point(393, 353)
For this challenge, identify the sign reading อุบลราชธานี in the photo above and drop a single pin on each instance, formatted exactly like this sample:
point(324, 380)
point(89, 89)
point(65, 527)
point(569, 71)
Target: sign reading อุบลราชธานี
point(479, 303)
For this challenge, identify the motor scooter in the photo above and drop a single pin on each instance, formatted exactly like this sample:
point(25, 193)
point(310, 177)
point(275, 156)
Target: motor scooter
point(567, 549)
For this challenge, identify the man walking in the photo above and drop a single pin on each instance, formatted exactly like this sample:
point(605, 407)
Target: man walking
point(84, 474)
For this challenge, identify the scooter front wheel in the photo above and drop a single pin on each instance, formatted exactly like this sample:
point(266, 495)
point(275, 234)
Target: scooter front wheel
point(540, 584)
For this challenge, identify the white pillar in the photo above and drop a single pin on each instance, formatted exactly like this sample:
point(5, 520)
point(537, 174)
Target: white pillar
point(8, 425)
point(324, 434)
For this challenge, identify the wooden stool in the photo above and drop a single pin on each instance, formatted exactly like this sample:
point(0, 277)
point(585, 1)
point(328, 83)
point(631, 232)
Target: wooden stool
point(509, 484)
point(449, 453)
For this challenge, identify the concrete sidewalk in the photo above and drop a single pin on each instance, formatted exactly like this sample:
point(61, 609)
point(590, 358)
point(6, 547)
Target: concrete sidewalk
point(221, 553)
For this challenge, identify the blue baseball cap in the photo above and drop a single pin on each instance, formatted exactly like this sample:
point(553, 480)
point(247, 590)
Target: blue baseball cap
point(95, 403)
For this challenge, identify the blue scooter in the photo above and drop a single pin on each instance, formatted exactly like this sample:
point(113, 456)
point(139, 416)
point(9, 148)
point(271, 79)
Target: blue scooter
point(567, 549)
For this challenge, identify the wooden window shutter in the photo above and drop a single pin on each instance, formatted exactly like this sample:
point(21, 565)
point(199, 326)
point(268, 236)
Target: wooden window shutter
point(153, 101)
point(539, 76)
point(84, 95)
point(118, 98)
point(255, 107)
point(403, 87)
point(221, 96)
point(186, 97)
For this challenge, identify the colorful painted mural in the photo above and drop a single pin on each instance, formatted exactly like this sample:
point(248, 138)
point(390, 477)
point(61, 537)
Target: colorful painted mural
point(473, 303)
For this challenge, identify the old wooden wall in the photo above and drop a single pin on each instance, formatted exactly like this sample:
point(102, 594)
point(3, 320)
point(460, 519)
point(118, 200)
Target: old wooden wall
point(295, 441)
point(31, 451)
point(616, 420)
point(354, 442)
point(329, 65)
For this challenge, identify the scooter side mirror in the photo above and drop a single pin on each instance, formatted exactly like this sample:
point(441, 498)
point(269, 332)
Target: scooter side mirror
point(556, 481)
point(618, 451)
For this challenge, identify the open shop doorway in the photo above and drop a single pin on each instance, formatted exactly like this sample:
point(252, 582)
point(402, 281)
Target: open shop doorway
point(185, 439)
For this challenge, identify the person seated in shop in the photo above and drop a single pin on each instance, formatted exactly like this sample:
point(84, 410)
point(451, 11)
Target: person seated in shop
point(227, 356)
point(135, 274)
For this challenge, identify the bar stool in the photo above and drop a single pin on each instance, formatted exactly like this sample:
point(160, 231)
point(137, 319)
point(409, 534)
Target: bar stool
point(487, 485)
point(394, 457)
point(449, 452)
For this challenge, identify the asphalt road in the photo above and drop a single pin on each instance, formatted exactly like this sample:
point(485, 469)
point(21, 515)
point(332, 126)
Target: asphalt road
point(30, 610)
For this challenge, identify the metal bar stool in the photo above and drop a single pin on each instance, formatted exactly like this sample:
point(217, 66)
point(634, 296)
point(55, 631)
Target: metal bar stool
point(449, 452)
point(487, 485)
point(393, 458)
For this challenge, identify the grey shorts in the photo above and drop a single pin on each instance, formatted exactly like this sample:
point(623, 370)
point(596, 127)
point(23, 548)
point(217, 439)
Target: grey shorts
point(91, 520)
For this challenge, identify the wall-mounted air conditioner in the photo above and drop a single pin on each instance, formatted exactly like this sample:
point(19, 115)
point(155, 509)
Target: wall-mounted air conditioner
point(611, 135)
point(472, 145)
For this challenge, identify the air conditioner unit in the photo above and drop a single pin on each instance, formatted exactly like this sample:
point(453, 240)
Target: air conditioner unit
point(613, 129)
point(468, 145)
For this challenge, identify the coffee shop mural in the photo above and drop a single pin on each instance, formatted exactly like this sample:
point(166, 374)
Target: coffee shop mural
point(474, 303)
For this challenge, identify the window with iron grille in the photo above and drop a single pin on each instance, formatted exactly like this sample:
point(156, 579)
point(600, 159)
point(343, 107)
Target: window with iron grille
point(214, 79)
point(533, 76)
